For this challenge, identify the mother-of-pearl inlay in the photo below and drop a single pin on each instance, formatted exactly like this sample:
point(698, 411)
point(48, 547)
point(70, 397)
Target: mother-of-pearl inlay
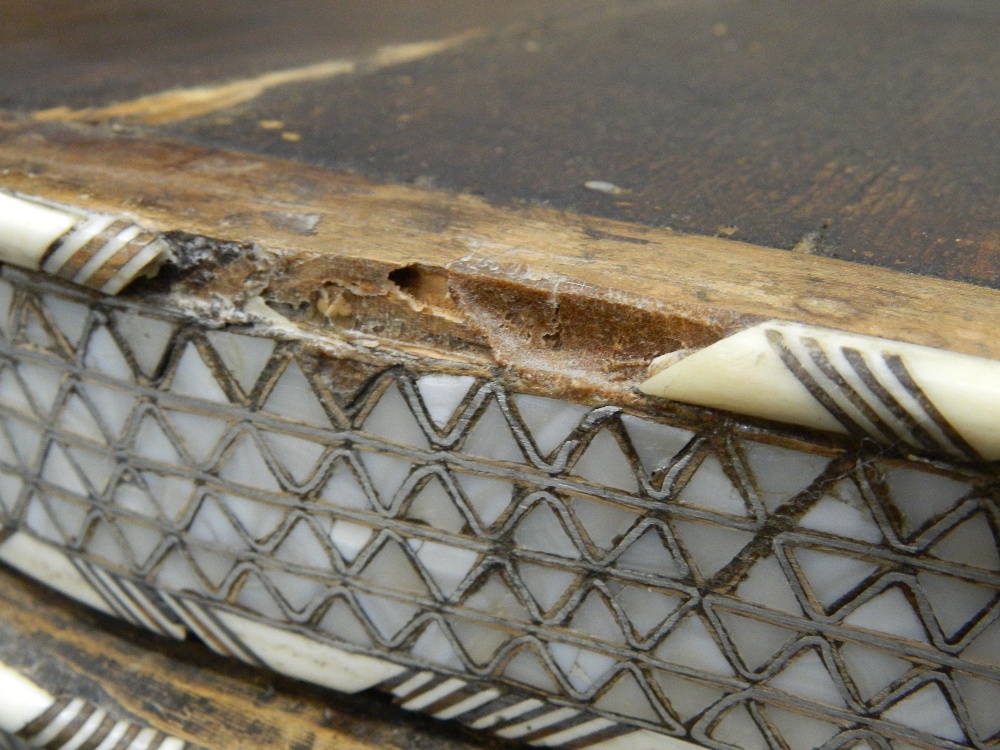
point(566, 574)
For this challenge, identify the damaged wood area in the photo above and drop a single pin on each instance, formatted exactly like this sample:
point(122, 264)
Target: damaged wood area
point(558, 300)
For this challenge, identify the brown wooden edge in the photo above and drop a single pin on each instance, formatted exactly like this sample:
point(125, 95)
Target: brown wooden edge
point(184, 690)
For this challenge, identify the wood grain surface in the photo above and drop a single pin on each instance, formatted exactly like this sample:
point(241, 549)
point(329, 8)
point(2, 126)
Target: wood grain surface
point(861, 131)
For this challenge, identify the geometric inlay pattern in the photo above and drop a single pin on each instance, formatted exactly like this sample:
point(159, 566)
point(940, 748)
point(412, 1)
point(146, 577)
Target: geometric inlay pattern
point(555, 572)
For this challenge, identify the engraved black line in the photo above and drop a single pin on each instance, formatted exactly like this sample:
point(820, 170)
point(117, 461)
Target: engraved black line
point(898, 368)
point(788, 358)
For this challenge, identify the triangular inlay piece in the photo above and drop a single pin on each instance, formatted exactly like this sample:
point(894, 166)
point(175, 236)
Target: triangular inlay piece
point(445, 564)
point(780, 474)
point(70, 316)
point(258, 519)
point(972, 542)
point(647, 608)
point(806, 676)
point(350, 538)
point(549, 421)
point(77, 418)
point(756, 642)
point(595, 617)
point(737, 729)
point(491, 437)
point(889, 612)
point(297, 456)
point(11, 486)
point(479, 641)
point(547, 585)
point(12, 394)
point(214, 566)
point(711, 489)
point(604, 463)
point(294, 397)
point(388, 616)
point(58, 470)
point(298, 591)
point(35, 330)
point(192, 377)
point(655, 444)
point(850, 520)
point(392, 568)
point(435, 507)
point(627, 698)
point(981, 698)
point(243, 463)
point(926, 710)
point(245, 357)
point(303, 546)
point(340, 622)
point(801, 732)
point(211, 524)
point(443, 394)
point(687, 698)
point(541, 530)
point(711, 546)
point(433, 646)
point(921, 496)
point(392, 420)
point(386, 474)
point(172, 493)
point(176, 572)
point(494, 596)
point(766, 584)
point(605, 523)
point(105, 356)
point(487, 496)
point(142, 540)
point(830, 577)
point(343, 489)
point(97, 468)
point(199, 433)
point(690, 644)
point(649, 554)
point(112, 406)
point(871, 671)
point(254, 595)
point(105, 543)
point(152, 442)
point(42, 383)
point(148, 338)
point(955, 602)
point(528, 668)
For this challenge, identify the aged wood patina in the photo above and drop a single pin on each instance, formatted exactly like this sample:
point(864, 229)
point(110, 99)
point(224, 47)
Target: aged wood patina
point(546, 367)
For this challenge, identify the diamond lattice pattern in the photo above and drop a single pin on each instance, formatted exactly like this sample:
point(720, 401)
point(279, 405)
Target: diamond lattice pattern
point(713, 585)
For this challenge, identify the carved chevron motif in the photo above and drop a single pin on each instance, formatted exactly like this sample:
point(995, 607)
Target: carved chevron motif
point(925, 400)
point(869, 393)
point(565, 574)
point(97, 250)
point(31, 717)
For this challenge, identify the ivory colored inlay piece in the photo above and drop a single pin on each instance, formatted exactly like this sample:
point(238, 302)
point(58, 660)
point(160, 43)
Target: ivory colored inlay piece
point(39, 719)
point(930, 400)
point(101, 251)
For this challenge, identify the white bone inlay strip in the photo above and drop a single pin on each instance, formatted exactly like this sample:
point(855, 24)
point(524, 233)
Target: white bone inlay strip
point(33, 717)
point(96, 250)
point(930, 400)
point(584, 578)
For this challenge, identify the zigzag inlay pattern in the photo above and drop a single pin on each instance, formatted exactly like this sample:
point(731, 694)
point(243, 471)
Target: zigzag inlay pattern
point(622, 570)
